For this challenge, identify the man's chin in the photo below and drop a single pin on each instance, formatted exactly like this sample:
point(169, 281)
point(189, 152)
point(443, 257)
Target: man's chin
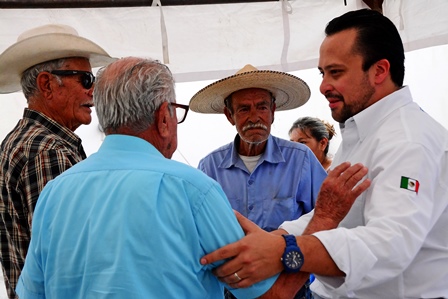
point(254, 141)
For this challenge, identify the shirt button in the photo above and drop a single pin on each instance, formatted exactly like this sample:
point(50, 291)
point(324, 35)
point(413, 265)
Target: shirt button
point(251, 182)
point(251, 207)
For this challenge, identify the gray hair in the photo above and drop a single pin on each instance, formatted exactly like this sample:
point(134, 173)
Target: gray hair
point(319, 129)
point(129, 91)
point(29, 76)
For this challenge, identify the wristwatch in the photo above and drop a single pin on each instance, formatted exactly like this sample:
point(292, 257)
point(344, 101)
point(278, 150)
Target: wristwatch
point(292, 258)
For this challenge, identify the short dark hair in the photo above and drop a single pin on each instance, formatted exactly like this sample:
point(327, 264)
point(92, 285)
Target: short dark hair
point(377, 39)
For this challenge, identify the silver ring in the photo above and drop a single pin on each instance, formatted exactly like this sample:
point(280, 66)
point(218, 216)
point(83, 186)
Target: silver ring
point(236, 275)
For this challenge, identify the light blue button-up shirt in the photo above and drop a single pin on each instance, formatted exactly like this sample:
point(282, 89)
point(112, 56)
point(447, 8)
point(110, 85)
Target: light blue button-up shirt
point(129, 223)
point(283, 186)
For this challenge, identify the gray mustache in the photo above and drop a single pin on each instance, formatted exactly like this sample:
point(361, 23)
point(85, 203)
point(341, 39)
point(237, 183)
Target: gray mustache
point(253, 126)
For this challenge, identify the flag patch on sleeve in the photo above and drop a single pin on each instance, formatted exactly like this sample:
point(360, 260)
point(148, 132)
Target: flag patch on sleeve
point(409, 184)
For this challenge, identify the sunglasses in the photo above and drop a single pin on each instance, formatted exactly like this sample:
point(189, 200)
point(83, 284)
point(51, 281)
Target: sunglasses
point(87, 78)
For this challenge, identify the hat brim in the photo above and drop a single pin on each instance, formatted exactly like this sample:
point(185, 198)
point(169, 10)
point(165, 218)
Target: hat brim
point(289, 91)
point(38, 49)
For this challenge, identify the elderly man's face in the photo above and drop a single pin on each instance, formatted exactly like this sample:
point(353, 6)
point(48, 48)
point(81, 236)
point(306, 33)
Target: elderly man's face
point(253, 114)
point(71, 101)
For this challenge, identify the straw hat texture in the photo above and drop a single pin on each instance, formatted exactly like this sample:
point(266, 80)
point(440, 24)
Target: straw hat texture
point(43, 44)
point(289, 91)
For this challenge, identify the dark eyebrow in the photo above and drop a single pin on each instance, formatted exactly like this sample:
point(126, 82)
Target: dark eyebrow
point(264, 102)
point(331, 66)
point(242, 106)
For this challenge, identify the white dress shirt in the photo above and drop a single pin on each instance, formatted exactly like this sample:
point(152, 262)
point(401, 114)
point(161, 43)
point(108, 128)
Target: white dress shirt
point(394, 241)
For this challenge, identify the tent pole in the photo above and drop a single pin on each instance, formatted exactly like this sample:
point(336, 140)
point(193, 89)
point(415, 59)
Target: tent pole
point(108, 3)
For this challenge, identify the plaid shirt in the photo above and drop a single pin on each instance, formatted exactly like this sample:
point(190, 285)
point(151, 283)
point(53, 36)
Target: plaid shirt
point(37, 150)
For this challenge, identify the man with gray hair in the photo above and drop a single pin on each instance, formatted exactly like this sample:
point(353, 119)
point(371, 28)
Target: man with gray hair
point(52, 65)
point(129, 222)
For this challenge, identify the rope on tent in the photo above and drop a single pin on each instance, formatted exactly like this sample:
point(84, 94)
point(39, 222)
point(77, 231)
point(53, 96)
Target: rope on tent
point(166, 57)
point(286, 10)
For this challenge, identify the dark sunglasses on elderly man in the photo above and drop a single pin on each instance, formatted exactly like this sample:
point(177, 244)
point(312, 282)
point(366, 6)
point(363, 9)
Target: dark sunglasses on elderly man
point(87, 78)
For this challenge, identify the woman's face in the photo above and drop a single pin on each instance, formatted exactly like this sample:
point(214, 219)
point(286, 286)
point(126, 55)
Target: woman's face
point(317, 147)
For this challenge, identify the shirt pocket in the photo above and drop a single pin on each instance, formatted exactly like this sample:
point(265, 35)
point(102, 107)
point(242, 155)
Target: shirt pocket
point(278, 210)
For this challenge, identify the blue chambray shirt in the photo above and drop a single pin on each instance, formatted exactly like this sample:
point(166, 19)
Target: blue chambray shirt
point(283, 186)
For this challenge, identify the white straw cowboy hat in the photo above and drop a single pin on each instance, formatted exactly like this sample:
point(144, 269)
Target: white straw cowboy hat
point(43, 44)
point(289, 91)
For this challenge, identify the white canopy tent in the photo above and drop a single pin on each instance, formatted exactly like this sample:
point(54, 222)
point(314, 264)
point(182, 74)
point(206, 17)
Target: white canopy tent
point(201, 42)
point(208, 42)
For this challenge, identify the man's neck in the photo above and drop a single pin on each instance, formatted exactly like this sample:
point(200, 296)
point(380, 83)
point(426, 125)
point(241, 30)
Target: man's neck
point(251, 149)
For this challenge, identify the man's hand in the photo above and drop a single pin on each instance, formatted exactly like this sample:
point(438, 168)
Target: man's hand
point(257, 256)
point(254, 258)
point(337, 195)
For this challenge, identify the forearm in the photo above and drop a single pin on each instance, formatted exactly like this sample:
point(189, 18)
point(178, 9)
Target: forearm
point(317, 260)
point(286, 286)
point(319, 223)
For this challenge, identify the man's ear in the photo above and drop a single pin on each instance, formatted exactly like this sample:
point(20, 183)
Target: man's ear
point(44, 84)
point(162, 120)
point(229, 115)
point(382, 70)
point(274, 106)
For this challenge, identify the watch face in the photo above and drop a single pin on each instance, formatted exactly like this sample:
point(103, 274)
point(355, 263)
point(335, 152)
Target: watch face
point(293, 260)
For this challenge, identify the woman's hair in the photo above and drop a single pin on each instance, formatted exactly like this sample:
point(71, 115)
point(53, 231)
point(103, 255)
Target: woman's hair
point(319, 129)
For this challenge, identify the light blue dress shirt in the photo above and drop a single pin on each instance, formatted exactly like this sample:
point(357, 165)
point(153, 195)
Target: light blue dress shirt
point(129, 223)
point(283, 186)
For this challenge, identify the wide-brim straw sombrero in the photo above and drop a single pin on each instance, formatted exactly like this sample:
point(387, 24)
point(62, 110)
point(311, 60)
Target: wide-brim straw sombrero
point(43, 44)
point(289, 91)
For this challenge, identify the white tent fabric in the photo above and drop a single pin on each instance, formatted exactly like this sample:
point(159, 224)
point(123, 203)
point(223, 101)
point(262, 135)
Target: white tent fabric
point(201, 42)
point(208, 42)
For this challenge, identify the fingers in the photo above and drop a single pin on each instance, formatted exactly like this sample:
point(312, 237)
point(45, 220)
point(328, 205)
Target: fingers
point(231, 250)
point(361, 188)
point(336, 172)
point(226, 252)
point(348, 175)
point(232, 280)
point(339, 191)
point(354, 174)
point(226, 272)
point(239, 279)
point(258, 258)
point(247, 225)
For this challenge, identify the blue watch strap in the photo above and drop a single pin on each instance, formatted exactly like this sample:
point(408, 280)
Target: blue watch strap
point(290, 240)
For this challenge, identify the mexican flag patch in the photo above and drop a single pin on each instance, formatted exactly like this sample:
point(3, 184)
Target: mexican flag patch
point(409, 184)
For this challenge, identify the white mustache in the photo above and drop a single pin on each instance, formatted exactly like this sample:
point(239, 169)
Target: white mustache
point(253, 126)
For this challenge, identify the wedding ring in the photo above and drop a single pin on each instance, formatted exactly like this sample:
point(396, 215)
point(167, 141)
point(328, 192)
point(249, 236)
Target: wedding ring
point(237, 277)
